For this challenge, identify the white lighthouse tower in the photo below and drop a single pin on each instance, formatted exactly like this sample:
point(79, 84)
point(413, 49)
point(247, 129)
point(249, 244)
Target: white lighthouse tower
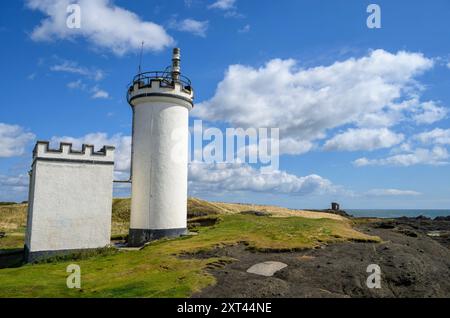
point(161, 102)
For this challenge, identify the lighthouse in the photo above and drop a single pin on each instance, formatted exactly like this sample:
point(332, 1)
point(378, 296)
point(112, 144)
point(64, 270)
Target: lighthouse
point(161, 102)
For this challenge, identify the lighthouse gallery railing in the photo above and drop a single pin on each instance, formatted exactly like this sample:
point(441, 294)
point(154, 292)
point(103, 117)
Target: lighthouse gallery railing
point(145, 80)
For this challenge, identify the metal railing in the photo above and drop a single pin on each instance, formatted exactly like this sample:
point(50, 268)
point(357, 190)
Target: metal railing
point(165, 77)
point(144, 79)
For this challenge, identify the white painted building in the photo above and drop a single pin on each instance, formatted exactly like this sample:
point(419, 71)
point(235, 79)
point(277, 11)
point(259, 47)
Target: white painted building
point(161, 102)
point(70, 200)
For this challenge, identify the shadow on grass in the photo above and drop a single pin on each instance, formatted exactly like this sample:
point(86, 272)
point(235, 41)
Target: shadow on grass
point(11, 257)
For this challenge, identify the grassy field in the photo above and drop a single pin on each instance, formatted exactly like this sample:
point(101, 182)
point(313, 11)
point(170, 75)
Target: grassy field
point(13, 221)
point(162, 269)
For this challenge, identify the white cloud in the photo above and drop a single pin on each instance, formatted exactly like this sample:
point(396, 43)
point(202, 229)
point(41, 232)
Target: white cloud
point(436, 136)
point(78, 84)
point(426, 148)
point(13, 140)
point(448, 64)
point(227, 6)
point(72, 67)
point(430, 113)
point(18, 183)
point(195, 27)
point(213, 178)
point(306, 103)
point(245, 29)
point(13, 187)
point(435, 156)
point(122, 144)
point(98, 93)
point(364, 139)
point(293, 146)
point(103, 24)
point(391, 192)
point(223, 4)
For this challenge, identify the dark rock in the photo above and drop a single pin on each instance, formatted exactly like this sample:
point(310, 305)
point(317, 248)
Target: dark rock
point(194, 214)
point(256, 213)
point(341, 213)
point(385, 225)
point(442, 218)
point(413, 264)
point(408, 232)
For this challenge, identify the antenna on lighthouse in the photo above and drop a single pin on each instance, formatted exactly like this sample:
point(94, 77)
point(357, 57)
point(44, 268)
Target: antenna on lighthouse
point(140, 58)
point(176, 67)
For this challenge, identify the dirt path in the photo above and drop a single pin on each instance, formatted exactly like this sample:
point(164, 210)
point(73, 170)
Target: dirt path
point(412, 264)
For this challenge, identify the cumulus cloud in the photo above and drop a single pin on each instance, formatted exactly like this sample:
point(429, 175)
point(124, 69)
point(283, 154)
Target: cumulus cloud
point(391, 192)
point(213, 177)
point(293, 146)
point(430, 113)
point(103, 24)
point(218, 177)
point(364, 139)
point(435, 156)
point(426, 148)
point(371, 91)
point(121, 142)
point(13, 140)
point(436, 136)
point(195, 27)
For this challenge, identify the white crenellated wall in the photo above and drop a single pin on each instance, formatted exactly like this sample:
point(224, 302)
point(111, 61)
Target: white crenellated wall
point(70, 199)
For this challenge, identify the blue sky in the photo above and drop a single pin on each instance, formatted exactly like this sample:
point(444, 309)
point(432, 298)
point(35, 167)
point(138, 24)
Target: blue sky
point(362, 113)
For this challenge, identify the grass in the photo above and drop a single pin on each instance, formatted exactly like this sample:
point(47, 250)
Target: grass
point(12, 241)
point(120, 217)
point(13, 219)
point(158, 270)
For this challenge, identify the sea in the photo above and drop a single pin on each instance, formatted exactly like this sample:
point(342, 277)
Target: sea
point(396, 213)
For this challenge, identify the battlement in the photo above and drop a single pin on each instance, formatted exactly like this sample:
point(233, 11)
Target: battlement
point(158, 86)
point(65, 152)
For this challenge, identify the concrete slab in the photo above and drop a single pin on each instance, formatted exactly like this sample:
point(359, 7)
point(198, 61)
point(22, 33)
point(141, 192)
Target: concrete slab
point(267, 269)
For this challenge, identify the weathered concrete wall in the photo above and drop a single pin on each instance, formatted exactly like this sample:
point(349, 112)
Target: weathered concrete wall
point(70, 199)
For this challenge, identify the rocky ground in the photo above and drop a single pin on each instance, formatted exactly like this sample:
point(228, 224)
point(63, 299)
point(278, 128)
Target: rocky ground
point(414, 258)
